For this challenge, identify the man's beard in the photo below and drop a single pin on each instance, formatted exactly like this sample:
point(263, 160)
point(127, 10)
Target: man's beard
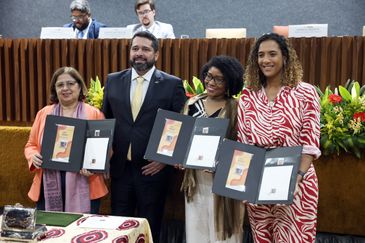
point(142, 67)
point(146, 24)
point(84, 26)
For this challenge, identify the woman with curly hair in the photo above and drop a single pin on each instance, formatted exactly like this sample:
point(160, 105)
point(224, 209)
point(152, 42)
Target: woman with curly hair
point(209, 217)
point(277, 109)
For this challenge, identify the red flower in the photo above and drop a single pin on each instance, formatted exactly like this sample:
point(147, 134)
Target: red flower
point(334, 99)
point(189, 95)
point(360, 115)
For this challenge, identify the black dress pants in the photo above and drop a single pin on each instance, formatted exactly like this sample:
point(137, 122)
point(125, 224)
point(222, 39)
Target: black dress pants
point(137, 195)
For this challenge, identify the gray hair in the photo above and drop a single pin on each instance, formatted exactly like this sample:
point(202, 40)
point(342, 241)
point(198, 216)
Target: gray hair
point(80, 5)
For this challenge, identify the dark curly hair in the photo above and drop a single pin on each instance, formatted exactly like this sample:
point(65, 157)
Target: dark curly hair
point(73, 73)
point(292, 72)
point(232, 71)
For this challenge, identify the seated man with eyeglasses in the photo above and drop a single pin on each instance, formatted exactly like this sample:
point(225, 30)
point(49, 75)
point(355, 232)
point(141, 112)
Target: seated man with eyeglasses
point(145, 10)
point(84, 26)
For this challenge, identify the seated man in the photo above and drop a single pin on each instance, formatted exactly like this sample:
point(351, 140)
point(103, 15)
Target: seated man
point(84, 26)
point(145, 10)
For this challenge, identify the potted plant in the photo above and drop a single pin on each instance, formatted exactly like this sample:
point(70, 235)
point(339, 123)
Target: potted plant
point(95, 93)
point(342, 137)
point(343, 119)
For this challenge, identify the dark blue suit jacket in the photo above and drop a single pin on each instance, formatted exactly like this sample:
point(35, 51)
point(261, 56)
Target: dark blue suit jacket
point(94, 28)
point(164, 91)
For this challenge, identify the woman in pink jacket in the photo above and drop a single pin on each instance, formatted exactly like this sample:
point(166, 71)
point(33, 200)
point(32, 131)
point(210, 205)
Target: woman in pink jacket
point(58, 190)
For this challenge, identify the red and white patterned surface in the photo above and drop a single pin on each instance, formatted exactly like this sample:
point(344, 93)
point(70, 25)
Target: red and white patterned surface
point(131, 230)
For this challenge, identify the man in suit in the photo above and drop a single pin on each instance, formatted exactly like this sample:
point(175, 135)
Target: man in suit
point(145, 10)
point(84, 26)
point(138, 186)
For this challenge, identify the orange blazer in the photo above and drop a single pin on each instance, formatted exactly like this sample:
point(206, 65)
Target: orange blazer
point(97, 185)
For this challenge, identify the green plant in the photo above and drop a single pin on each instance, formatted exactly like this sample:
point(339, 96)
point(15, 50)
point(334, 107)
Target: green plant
point(95, 93)
point(343, 119)
point(196, 88)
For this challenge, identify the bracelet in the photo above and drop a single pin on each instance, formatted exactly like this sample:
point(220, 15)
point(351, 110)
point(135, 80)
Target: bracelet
point(302, 173)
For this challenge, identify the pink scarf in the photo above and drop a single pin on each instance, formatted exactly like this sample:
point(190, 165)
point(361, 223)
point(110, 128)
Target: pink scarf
point(77, 198)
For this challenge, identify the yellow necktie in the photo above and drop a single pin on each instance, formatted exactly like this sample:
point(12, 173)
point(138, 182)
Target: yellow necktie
point(136, 106)
point(137, 97)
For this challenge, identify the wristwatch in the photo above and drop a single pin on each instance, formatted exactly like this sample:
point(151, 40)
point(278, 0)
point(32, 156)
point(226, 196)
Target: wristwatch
point(302, 173)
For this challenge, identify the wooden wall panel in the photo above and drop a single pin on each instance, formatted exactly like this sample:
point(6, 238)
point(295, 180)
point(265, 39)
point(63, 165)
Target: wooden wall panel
point(27, 65)
point(31, 80)
point(42, 93)
point(24, 83)
point(8, 70)
point(2, 83)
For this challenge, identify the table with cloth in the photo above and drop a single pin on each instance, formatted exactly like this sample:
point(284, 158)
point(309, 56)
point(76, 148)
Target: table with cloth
point(130, 230)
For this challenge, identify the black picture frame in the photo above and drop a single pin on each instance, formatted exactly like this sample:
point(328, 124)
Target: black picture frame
point(185, 130)
point(252, 171)
point(81, 130)
point(101, 129)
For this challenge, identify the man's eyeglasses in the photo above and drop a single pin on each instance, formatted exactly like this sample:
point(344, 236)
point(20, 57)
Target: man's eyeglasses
point(144, 12)
point(77, 18)
point(217, 80)
point(68, 84)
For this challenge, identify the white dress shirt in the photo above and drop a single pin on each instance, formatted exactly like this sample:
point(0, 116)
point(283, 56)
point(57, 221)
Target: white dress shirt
point(158, 29)
point(147, 78)
point(85, 31)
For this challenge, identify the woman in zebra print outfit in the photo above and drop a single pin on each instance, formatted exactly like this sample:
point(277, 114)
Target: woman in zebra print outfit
point(277, 109)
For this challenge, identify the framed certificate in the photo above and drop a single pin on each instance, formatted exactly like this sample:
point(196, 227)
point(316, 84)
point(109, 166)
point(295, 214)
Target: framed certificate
point(99, 139)
point(70, 144)
point(181, 139)
point(258, 175)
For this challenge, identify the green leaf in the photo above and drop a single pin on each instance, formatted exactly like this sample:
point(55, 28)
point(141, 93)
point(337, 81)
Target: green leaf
point(361, 140)
point(355, 91)
point(97, 83)
point(185, 83)
point(348, 83)
point(325, 142)
point(351, 84)
point(349, 142)
point(345, 94)
point(188, 88)
point(362, 91)
point(237, 96)
point(324, 98)
point(342, 145)
point(199, 88)
point(357, 152)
